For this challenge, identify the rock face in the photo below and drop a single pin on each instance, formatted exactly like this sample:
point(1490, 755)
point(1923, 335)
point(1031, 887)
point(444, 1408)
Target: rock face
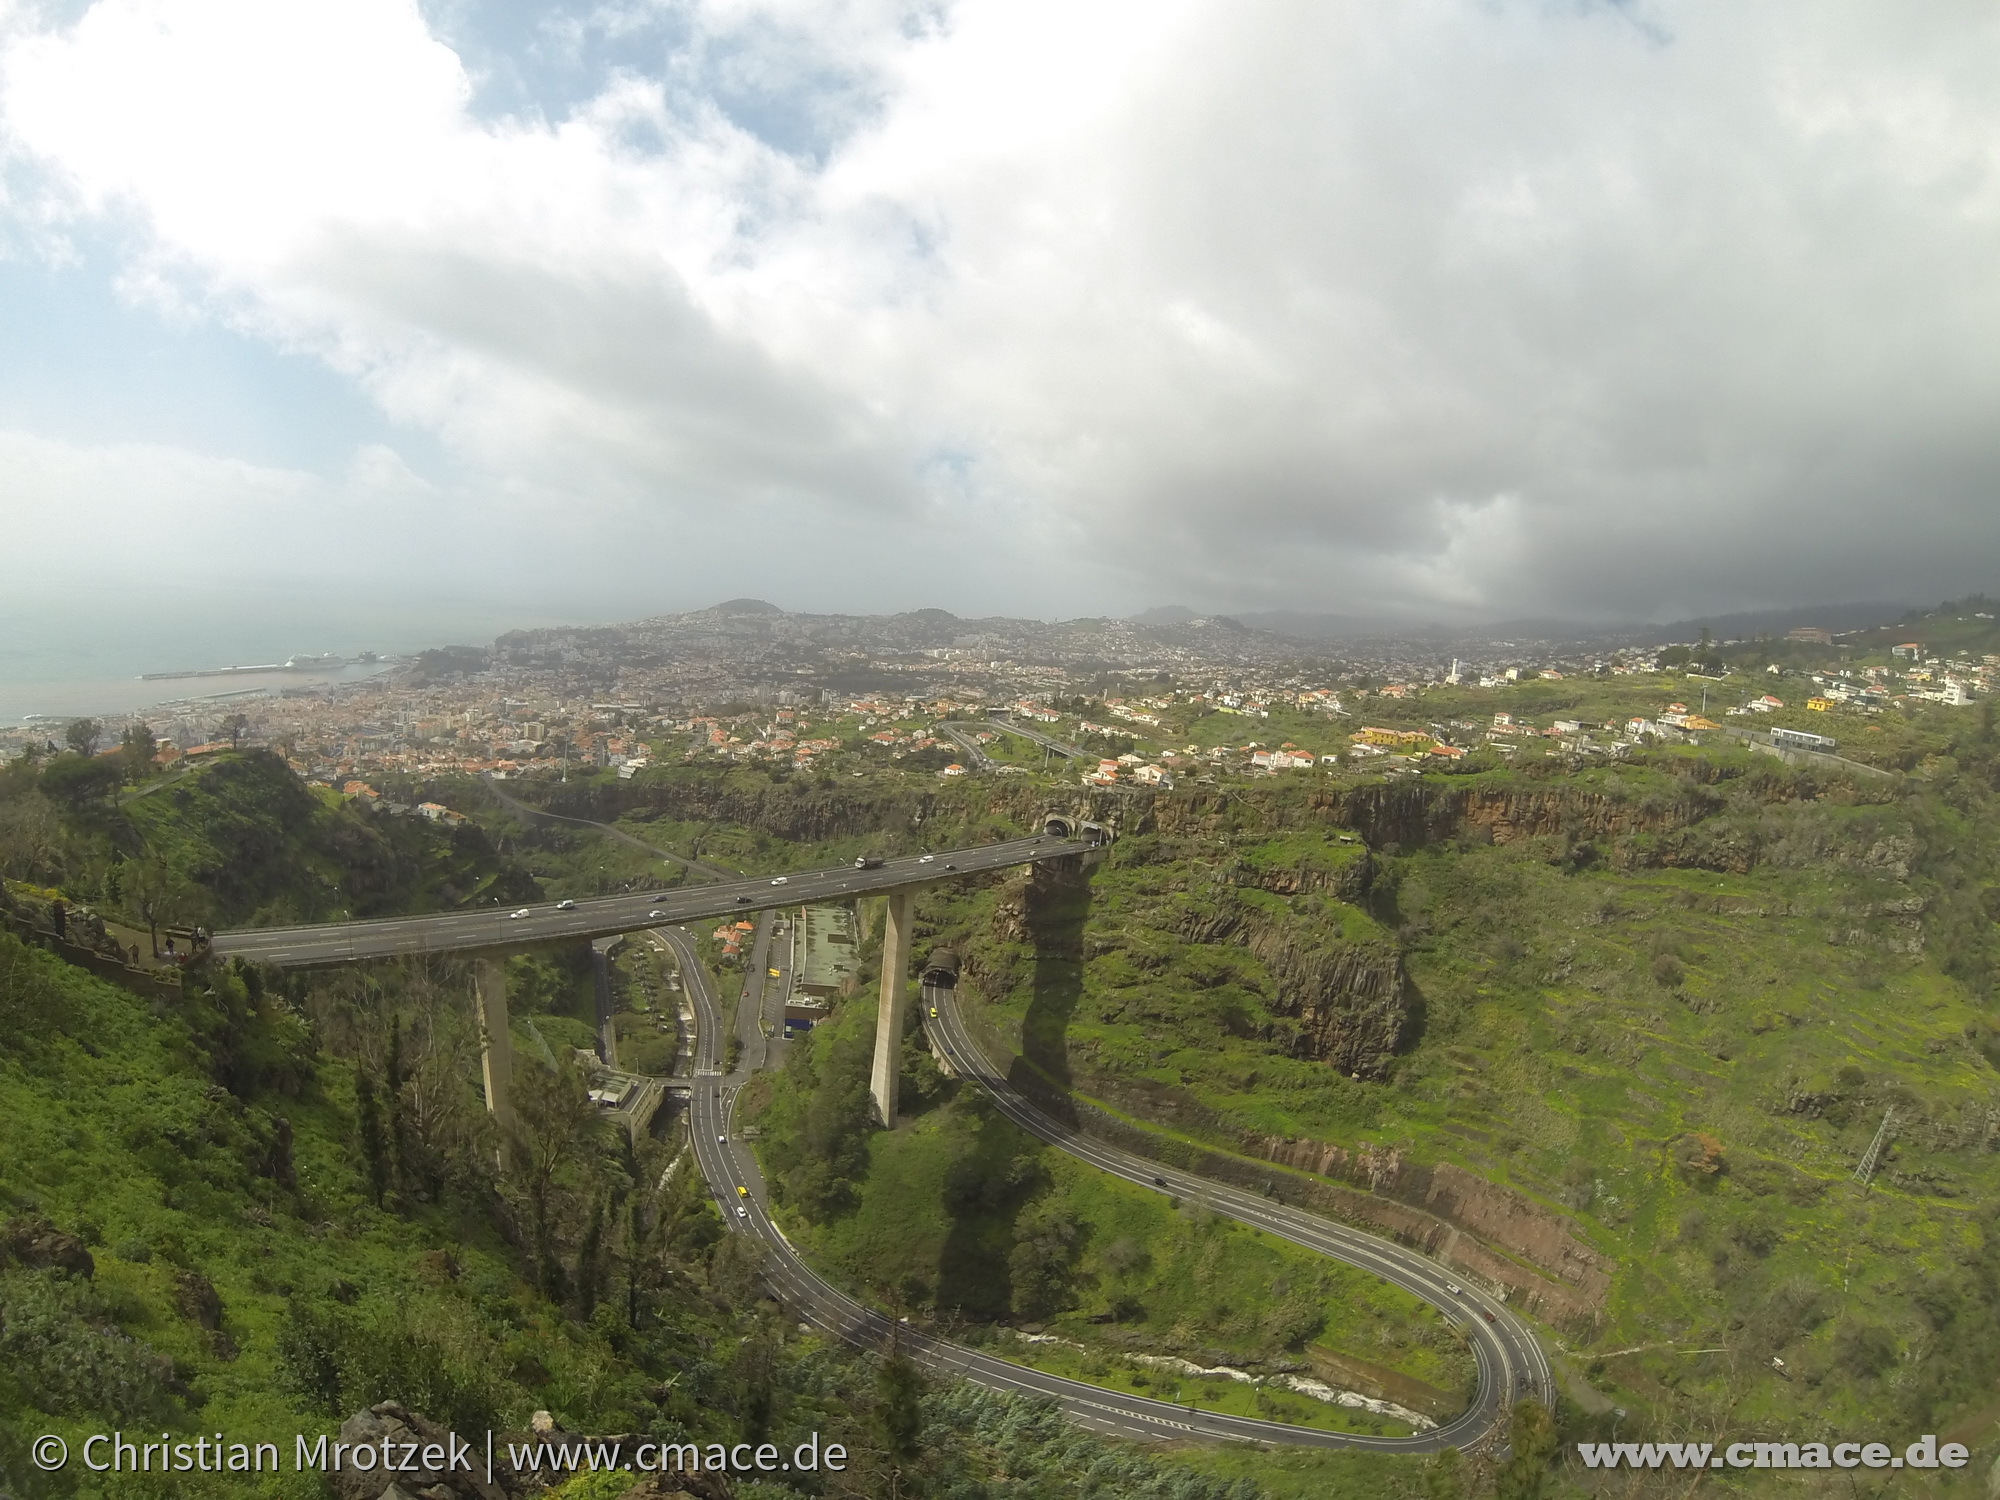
point(197, 1299)
point(1466, 1209)
point(391, 1423)
point(34, 1244)
point(1348, 998)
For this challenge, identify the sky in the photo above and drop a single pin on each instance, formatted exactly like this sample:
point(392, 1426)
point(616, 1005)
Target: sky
point(413, 316)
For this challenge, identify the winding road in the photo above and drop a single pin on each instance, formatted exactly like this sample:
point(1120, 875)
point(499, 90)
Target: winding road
point(1046, 741)
point(1510, 1361)
point(529, 814)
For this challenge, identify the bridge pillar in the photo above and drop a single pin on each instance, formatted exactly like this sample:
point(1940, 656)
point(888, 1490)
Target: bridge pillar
point(892, 1008)
point(496, 1042)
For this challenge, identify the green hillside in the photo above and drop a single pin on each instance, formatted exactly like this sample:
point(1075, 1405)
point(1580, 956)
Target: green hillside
point(1612, 1037)
point(964, 1217)
point(190, 1241)
point(256, 1207)
point(234, 840)
point(1630, 1031)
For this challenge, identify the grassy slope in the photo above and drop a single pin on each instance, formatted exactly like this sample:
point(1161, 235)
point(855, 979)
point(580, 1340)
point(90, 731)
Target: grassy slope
point(1577, 1024)
point(238, 840)
point(114, 1129)
point(942, 1209)
point(1584, 1005)
point(151, 1134)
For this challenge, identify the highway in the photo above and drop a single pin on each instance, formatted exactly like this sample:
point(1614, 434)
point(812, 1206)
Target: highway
point(498, 931)
point(1510, 1362)
point(965, 735)
point(1050, 742)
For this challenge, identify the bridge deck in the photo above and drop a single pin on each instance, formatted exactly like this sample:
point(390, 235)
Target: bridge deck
point(325, 945)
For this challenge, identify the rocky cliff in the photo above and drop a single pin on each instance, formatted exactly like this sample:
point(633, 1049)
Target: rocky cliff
point(1349, 999)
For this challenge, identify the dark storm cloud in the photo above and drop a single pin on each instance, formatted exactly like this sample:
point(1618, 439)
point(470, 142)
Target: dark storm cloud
point(1444, 308)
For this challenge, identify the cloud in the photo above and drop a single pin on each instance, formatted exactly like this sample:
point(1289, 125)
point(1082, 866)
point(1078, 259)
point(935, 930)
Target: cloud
point(1447, 308)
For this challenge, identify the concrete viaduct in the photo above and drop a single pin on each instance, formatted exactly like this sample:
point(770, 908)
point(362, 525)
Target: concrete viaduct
point(488, 937)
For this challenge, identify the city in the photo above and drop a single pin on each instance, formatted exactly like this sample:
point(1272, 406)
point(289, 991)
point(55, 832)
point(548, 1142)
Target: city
point(962, 750)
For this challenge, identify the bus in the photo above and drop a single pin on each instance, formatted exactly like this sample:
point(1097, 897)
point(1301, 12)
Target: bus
point(1801, 740)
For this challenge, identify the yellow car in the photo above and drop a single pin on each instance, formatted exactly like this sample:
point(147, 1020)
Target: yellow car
point(743, 1192)
point(776, 972)
point(933, 1012)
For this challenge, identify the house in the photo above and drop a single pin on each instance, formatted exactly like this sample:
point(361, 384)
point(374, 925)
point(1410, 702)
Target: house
point(1819, 705)
point(1909, 651)
point(954, 769)
point(1279, 760)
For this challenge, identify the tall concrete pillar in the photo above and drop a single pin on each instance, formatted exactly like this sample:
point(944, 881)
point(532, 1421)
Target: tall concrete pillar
point(496, 1042)
point(893, 1006)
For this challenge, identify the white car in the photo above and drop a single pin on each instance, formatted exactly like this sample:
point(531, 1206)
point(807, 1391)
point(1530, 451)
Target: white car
point(565, 906)
point(926, 859)
point(781, 880)
point(515, 916)
point(1454, 1288)
point(656, 914)
point(742, 1212)
point(722, 1140)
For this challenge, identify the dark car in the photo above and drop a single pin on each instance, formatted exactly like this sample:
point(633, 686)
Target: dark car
point(742, 900)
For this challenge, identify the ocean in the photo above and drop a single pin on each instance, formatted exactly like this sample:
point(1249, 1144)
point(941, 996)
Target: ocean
point(71, 652)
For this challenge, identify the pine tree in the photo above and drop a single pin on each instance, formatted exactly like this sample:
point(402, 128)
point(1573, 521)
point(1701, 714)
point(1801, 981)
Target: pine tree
point(589, 1256)
point(1531, 1433)
point(397, 1126)
point(369, 1117)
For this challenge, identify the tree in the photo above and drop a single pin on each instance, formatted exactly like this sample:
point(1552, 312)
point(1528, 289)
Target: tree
point(233, 726)
point(31, 839)
point(1531, 1433)
point(77, 782)
point(137, 749)
point(82, 736)
point(1444, 1476)
point(590, 1261)
point(554, 1120)
point(899, 1414)
point(394, 1092)
point(161, 894)
point(309, 1355)
point(369, 1117)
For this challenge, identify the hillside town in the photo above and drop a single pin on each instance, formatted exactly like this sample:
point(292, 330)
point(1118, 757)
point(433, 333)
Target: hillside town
point(1106, 702)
